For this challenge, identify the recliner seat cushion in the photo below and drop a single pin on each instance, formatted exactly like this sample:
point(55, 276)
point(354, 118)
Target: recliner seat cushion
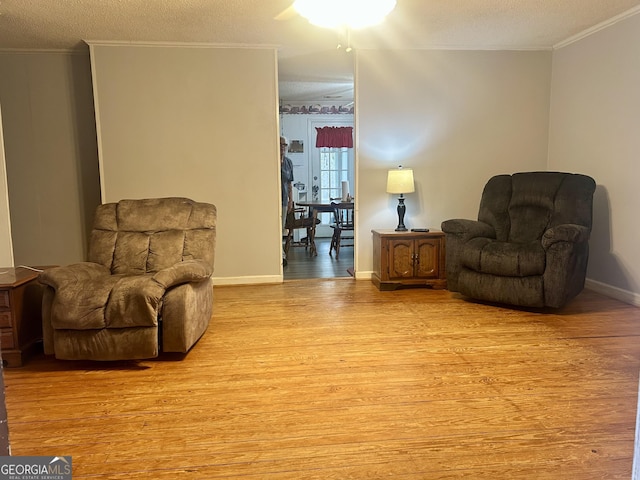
point(88, 297)
point(486, 255)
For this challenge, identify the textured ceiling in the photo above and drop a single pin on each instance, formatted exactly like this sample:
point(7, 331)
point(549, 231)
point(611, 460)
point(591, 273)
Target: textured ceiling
point(307, 53)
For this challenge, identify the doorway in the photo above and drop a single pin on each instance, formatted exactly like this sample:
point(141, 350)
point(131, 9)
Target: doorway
point(321, 175)
point(317, 90)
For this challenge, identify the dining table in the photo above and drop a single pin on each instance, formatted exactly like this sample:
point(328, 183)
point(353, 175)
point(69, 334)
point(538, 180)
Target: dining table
point(324, 206)
point(330, 207)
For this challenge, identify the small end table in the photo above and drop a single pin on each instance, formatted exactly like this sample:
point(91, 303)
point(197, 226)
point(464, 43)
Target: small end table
point(408, 259)
point(20, 314)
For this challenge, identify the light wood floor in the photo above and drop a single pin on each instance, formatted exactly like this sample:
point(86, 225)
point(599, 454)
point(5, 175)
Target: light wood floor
point(332, 379)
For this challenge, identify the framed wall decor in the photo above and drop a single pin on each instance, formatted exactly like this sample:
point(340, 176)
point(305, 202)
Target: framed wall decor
point(296, 146)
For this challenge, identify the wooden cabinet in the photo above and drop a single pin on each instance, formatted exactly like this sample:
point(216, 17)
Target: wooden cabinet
point(408, 259)
point(20, 314)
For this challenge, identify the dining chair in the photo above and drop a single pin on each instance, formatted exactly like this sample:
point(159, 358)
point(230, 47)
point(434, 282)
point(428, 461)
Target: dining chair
point(342, 227)
point(299, 219)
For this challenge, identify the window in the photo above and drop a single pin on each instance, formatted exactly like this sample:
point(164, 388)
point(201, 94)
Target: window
point(334, 169)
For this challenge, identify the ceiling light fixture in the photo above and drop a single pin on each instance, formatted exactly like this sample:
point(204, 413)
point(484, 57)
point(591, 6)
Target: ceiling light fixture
point(344, 13)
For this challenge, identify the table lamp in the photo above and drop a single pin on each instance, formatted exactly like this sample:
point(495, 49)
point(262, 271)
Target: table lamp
point(400, 181)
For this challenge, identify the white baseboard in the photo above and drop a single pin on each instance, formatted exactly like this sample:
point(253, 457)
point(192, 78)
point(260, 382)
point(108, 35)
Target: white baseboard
point(364, 275)
point(613, 292)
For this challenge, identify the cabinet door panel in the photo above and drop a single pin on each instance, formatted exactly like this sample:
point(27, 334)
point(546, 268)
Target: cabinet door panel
point(401, 259)
point(427, 258)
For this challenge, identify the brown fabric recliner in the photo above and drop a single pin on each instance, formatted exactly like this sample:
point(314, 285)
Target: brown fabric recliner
point(145, 288)
point(530, 244)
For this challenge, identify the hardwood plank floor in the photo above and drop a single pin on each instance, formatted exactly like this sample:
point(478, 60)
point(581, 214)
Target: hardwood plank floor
point(332, 379)
point(301, 265)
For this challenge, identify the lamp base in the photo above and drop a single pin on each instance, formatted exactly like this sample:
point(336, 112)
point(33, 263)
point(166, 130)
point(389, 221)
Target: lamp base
point(401, 211)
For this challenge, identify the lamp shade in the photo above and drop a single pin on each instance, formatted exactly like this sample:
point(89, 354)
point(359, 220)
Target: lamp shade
point(400, 181)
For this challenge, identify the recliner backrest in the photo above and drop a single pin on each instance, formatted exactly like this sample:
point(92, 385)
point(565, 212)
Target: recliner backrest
point(145, 236)
point(522, 206)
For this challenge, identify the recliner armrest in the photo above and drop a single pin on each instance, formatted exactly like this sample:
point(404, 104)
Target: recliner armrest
point(183, 272)
point(457, 233)
point(468, 228)
point(567, 232)
point(80, 273)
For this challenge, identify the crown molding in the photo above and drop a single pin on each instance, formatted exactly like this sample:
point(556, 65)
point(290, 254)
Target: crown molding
point(461, 48)
point(36, 51)
point(121, 43)
point(596, 28)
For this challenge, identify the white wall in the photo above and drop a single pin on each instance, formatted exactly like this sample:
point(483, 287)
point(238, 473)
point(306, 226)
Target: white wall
point(199, 122)
point(594, 129)
point(456, 118)
point(50, 153)
point(6, 248)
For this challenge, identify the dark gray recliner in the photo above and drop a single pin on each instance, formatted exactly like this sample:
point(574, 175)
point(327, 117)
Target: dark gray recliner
point(529, 246)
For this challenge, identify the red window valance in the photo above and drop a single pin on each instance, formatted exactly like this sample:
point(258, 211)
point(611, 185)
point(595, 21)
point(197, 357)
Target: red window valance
point(336, 137)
